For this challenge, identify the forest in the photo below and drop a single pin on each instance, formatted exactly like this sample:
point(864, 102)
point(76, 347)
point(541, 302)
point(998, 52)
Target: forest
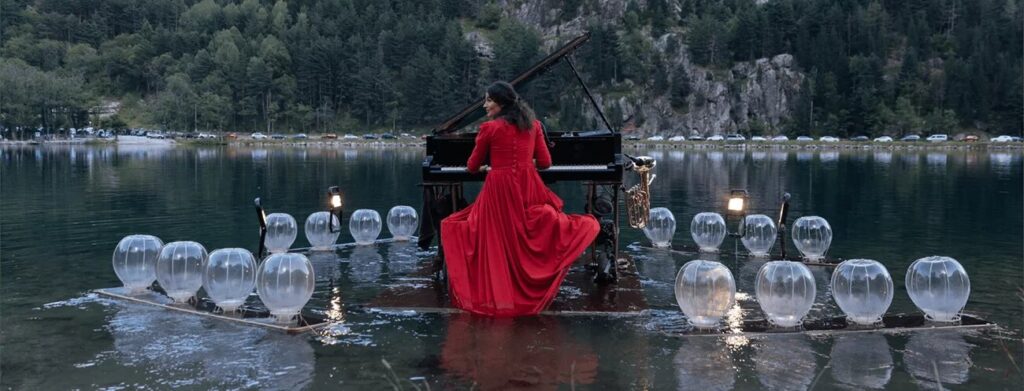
point(872, 66)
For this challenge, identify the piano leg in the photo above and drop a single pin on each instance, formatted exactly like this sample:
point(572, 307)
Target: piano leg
point(604, 250)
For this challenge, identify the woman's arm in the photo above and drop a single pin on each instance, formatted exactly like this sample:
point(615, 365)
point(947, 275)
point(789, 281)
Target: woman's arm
point(482, 148)
point(540, 148)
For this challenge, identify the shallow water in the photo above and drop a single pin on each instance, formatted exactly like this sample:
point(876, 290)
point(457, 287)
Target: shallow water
point(63, 209)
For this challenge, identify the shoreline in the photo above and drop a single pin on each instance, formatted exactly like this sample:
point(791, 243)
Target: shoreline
point(642, 144)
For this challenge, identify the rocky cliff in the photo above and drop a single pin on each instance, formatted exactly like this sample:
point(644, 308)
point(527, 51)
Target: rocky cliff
point(756, 94)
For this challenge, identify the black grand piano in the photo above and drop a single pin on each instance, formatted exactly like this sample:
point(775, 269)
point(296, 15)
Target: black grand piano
point(593, 158)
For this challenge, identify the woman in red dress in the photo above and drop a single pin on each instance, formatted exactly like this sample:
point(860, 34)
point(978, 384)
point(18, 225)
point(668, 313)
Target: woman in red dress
point(508, 252)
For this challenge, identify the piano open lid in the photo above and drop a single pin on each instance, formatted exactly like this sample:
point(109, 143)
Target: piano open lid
point(475, 111)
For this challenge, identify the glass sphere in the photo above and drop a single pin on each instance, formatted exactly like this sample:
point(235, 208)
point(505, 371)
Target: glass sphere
point(938, 286)
point(402, 222)
point(705, 291)
point(759, 235)
point(281, 232)
point(179, 269)
point(285, 283)
point(229, 277)
point(708, 231)
point(135, 261)
point(785, 291)
point(812, 235)
point(364, 225)
point(661, 226)
point(318, 230)
point(863, 289)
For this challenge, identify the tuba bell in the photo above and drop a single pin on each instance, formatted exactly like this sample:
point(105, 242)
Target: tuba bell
point(638, 197)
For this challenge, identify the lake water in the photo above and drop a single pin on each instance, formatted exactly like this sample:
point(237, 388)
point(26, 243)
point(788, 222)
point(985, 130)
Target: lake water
point(63, 210)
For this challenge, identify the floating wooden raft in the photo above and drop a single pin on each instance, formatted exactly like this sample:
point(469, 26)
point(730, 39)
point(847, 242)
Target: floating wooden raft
point(895, 323)
point(205, 307)
point(792, 256)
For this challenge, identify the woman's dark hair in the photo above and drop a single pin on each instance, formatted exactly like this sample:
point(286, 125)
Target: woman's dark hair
point(513, 108)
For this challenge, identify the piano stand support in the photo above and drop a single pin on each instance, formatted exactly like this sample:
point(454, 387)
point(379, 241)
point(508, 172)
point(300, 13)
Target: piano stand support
point(604, 251)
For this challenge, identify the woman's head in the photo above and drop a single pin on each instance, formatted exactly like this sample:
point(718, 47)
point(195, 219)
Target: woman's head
point(502, 101)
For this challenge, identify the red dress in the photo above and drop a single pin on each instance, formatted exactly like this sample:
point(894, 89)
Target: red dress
point(508, 252)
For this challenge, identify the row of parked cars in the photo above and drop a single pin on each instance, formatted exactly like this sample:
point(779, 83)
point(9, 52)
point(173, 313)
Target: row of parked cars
point(333, 136)
point(827, 139)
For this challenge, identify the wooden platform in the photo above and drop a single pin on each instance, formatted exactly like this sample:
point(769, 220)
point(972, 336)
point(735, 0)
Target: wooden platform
point(793, 255)
point(891, 324)
point(204, 307)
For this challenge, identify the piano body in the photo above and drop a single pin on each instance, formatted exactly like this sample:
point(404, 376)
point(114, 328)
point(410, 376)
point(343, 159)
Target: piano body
point(593, 158)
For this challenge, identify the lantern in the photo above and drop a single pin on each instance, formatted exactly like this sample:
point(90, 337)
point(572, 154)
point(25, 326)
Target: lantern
point(402, 222)
point(758, 235)
point(661, 226)
point(863, 289)
point(708, 231)
point(812, 235)
point(705, 291)
point(135, 261)
point(179, 269)
point(938, 286)
point(229, 277)
point(785, 291)
point(285, 283)
point(318, 231)
point(281, 232)
point(364, 225)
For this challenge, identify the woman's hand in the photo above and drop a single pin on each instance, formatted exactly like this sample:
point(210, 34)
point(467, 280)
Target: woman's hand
point(484, 168)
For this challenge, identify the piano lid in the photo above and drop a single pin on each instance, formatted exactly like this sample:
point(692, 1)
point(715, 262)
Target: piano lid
point(475, 110)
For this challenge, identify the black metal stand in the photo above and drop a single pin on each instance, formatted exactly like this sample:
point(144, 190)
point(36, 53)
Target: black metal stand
point(261, 216)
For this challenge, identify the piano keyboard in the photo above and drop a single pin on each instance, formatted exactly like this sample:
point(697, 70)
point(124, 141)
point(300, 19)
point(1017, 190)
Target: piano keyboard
point(568, 168)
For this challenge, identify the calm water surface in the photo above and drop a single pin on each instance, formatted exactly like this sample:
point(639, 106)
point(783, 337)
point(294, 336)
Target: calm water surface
point(63, 210)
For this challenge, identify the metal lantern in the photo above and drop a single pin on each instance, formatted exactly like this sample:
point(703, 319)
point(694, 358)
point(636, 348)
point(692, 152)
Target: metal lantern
point(402, 222)
point(229, 277)
point(708, 231)
point(759, 235)
point(281, 232)
point(179, 269)
point(364, 225)
point(661, 226)
point(812, 235)
point(318, 231)
point(135, 261)
point(938, 286)
point(785, 291)
point(285, 283)
point(705, 291)
point(863, 289)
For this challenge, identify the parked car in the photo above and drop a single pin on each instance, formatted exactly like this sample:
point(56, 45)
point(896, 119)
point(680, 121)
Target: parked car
point(1002, 139)
point(205, 136)
point(656, 138)
point(937, 138)
point(388, 136)
point(716, 137)
point(407, 135)
point(258, 136)
point(970, 138)
point(277, 137)
point(911, 137)
point(300, 136)
point(329, 136)
point(829, 139)
point(632, 138)
point(804, 138)
point(350, 137)
point(695, 138)
point(883, 139)
point(859, 138)
point(758, 138)
point(780, 137)
point(735, 137)
point(677, 138)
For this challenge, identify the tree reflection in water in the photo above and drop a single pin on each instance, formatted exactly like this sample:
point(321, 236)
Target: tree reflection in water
point(704, 363)
point(862, 360)
point(524, 353)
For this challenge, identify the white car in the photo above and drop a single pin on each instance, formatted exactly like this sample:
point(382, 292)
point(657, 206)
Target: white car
point(655, 138)
point(758, 138)
point(677, 138)
point(205, 136)
point(883, 139)
point(259, 136)
point(735, 137)
point(828, 139)
point(1002, 139)
point(804, 138)
point(350, 137)
point(780, 137)
point(716, 137)
point(937, 138)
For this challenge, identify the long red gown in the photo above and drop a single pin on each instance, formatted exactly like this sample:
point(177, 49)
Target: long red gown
point(508, 252)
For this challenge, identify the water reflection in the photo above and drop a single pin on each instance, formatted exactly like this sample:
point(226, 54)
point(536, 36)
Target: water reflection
point(501, 353)
point(785, 362)
point(704, 363)
point(829, 156)
point(936, 160)
point(176, 346)
point(804, 156)
point(1002, 163)
point(937, 356)
point(365, 264)
point(325, 265)
point(402, 258)
point(862, 360)
point(884, 158)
